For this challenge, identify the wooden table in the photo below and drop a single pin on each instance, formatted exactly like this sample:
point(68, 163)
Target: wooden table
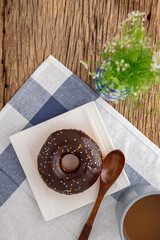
point(70, 30)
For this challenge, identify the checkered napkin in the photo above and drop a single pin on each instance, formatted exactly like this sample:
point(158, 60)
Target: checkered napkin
point(50, 91)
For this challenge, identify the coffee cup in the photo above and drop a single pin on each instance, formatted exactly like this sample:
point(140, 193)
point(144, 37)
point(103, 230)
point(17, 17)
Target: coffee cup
point(138, 213)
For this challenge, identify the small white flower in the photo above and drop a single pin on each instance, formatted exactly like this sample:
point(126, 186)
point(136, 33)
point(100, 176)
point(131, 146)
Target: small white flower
point(123, 69)
point(128, 45)
point(134, 19)
point(155, 66)
point(114, 44)
point(143, 19)
point(118, 68)
point(113, 51)
point(116, 62)
point(126, 65)
point(129, 15)
point(122, 61)
point(122, 46)
point(137, 13)
point(126, 20)
point(156, 61)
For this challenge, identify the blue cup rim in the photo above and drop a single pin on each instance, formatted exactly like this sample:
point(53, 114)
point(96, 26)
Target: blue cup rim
point(128, 207)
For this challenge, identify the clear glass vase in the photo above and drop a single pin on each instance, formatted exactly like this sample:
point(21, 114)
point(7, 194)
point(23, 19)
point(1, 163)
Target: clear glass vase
point(107, 93)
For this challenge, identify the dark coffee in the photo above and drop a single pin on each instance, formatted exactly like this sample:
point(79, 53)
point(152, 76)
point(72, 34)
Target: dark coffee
point(142, 221)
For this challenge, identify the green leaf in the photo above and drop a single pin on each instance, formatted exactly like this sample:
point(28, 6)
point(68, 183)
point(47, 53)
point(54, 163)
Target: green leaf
point(85, 64)
point(111, 86)
point(115, 80)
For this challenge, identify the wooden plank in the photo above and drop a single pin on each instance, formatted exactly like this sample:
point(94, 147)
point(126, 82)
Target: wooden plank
point(2, 83)
point(71, 31)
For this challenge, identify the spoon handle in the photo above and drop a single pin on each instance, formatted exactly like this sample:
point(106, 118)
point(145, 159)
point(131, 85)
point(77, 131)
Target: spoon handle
point(88, 226)
point(85, 232)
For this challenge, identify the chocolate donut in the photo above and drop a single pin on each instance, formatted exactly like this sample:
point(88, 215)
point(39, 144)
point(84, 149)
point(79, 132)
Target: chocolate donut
point(59, 150)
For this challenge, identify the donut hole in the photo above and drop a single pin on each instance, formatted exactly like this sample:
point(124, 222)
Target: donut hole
point(70, 162)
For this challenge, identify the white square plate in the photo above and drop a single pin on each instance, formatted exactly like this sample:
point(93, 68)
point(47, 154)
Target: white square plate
point(28, 143)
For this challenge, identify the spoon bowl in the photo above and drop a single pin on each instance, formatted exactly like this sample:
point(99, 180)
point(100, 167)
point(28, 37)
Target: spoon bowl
point(113, 165)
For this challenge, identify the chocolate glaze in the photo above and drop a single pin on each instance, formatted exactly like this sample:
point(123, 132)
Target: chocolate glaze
point(69, 141)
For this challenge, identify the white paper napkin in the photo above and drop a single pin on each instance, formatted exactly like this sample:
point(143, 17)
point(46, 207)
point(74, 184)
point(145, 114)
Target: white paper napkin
point(28, 143)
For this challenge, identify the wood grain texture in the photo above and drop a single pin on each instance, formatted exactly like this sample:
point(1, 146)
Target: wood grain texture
point(70, 30)
point(2, 87)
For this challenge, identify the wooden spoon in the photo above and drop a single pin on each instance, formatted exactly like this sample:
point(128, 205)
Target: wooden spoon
point(113, 165)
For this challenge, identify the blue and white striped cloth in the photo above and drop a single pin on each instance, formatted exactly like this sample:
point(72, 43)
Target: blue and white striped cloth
point(50, 91)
